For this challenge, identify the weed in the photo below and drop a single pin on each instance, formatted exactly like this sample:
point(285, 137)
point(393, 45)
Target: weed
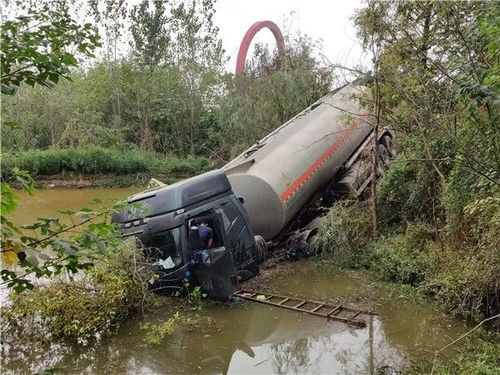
point(90, 303)
point(97, 160)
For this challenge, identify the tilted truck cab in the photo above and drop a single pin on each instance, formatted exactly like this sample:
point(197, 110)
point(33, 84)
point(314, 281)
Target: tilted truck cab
point(165, 221)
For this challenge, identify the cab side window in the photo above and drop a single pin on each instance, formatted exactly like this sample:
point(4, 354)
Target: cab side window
point(211, 222)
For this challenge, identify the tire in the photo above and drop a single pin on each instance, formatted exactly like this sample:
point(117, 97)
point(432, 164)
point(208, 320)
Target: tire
point(384, 156)
point(389, 145)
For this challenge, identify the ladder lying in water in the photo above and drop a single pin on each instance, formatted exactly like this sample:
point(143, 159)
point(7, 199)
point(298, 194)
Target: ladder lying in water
point(338, 313)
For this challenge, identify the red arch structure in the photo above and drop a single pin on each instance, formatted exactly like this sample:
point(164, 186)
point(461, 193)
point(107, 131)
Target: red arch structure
point(247, 39)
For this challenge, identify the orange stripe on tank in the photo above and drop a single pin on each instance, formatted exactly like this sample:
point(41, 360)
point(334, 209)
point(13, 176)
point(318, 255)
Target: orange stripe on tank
point(295, 186)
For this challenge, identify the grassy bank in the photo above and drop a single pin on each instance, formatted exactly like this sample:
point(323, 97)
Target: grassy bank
point(449, 253)
point(120, 167)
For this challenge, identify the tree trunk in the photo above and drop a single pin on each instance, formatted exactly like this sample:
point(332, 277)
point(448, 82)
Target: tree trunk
point(375, 228)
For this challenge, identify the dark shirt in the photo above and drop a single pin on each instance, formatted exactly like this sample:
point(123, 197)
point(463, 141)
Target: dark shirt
point(205, 233)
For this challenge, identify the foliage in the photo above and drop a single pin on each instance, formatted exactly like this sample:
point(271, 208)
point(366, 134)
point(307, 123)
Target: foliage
point(150, 39)
point(90, 303)
point(398, 258)
point(346, 231)
point(37, 48)
point(439, 203)
point(479, 355)
point(165, 109)
point(42, 250)
point(258, 102)
point(95, 160)
point(156, 333)
point(196, 297)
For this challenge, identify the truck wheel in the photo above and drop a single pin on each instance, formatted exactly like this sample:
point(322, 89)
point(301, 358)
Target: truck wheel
point(383, 155)
point(261, 244)
point(383, 160)
point(389, 145)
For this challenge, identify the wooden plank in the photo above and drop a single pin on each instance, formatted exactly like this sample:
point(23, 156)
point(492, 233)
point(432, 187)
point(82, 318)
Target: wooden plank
point(355, 315)
point(335, 309)
point(283, 301)
point(300, 304)
point(317, 308)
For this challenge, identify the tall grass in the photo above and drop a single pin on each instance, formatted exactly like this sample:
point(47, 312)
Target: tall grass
point(96, 160)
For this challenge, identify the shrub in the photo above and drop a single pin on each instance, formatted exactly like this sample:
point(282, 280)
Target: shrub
point(397, 259)
point(409, 192)
point(96, 160)
point(479, 355)
point(91, 303)
point(346, 230)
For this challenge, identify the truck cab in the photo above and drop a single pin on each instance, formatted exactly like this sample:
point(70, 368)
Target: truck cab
point(166, 222)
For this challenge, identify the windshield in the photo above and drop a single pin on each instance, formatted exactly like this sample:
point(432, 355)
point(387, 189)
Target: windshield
point(166, 247)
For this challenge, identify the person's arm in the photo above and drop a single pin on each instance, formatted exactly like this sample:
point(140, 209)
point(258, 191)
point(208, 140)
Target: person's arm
point(210, 238)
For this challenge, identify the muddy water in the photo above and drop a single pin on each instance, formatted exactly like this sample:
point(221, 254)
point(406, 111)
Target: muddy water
point(46, 203)
point(249, 338)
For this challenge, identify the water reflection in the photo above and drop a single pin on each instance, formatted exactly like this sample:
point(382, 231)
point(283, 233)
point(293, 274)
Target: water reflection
point(254, 340)
point(257, 339)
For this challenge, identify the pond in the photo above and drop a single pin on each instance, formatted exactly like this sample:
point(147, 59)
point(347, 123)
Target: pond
point(46, 203)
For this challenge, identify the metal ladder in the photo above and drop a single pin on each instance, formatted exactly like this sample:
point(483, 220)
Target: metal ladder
point(347, 315)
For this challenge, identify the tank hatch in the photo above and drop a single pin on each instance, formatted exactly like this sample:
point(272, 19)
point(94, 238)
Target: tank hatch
point(176, 196)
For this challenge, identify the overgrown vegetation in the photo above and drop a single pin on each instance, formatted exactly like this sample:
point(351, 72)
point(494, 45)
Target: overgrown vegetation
point(89, 303)
point(169, 94)
point(439, 205)
point(156, 333)
point(98, 160)
point(479, 355)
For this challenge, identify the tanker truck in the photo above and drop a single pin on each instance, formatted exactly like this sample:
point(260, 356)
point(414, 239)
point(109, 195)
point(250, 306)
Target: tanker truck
point(270, 196)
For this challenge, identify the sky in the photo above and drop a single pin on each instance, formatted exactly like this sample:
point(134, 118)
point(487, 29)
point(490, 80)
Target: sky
point(329, 21)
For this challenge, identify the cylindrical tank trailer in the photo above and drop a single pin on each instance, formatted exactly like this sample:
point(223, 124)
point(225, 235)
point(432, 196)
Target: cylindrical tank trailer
point(278, 175)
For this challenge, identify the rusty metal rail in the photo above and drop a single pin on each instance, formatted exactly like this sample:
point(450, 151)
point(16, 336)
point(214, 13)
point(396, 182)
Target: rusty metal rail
point(347, 315)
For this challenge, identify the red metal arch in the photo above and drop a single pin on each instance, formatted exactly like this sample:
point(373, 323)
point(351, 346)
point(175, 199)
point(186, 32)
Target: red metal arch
point(247, 39)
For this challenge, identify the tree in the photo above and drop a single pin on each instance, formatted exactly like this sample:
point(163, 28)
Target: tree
point(259, 102)
point(37, 49)
point(198, 53)
point(40, 48)
point(150, 38)
point(438, 92)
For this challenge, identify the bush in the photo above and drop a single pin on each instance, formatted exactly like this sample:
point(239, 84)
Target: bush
point(460, 268)
point(400, 258)
point(91, 303)
point(346, 230)
point(409, 192)
point(96, 160)
point(479, 355)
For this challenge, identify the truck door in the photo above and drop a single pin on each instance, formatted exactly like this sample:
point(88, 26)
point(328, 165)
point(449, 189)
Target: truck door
point(240, 240)
point(214, 267)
